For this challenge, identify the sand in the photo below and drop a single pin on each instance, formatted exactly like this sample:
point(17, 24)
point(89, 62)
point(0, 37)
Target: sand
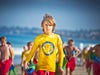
point(78, 71)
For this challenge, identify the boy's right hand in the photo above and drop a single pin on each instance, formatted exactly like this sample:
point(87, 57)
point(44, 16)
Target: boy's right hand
point(25, 66)
point(61, 70)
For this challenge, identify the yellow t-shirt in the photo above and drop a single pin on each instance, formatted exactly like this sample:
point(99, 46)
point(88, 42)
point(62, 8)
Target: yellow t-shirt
point(26, 53)
point(48, 45)
point(85, 54)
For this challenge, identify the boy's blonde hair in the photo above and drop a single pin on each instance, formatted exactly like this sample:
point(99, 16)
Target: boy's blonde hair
point(50, 19)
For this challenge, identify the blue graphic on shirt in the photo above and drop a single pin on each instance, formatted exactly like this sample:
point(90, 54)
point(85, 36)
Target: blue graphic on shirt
point(48, 48)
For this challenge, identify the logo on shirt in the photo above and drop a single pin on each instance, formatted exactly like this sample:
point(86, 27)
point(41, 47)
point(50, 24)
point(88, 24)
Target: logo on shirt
point(48, 48)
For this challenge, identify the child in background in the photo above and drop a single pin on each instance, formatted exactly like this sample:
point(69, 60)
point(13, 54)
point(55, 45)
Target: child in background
point(71, 53)
point(12, 67)
point(6, 57)
point(47, 43)
point(24, 55)
point(64, 61)
point(22, 61)
point(85, 57)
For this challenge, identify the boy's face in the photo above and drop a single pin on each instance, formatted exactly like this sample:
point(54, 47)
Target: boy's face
point(3, 41)
point(30, 45)
point(71, 44)
point(47, 27)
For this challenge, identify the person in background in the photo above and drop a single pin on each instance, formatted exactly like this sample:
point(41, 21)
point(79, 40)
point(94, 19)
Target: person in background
point(12, 67)
point(64, 61)
point(24, 55)
point(47, 43)
point(71, 52)
point(6, 57)
point(23, 59)
point(94, 57)
point(34, 59)
point(85, 57)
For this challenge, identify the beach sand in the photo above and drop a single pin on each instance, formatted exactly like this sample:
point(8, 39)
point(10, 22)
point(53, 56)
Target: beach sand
point(78, 71)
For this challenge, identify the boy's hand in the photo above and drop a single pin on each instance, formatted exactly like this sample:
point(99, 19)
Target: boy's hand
point(25, 66)
point(61, 70)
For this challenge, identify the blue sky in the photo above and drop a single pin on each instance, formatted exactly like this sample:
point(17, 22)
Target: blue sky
point(69, 14)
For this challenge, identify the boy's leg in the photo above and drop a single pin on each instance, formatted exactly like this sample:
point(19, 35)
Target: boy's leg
point(14, 71)
point(70, 73)
point(22, 70)
point(89, 65)
point(10, 72)
point(89, 70)
point(68, 67)
point(67, 71)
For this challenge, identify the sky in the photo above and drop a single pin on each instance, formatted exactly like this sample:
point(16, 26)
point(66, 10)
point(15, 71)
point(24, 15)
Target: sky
point(68, 14)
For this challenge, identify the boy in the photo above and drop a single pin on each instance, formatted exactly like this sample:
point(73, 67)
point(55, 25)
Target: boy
point(71, 52)
point(12, 67)
point(6, 56)
point(47, 43)
point(24, 55)
point(86, 62)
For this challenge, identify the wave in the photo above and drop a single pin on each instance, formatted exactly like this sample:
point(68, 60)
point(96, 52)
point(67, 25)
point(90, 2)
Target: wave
point(82, 45)
point(18, 51)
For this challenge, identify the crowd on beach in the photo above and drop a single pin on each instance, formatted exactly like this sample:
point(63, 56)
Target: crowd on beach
point(48, 54)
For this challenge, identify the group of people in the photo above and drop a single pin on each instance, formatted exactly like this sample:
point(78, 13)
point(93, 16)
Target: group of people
point(91, 59)
point(47, 50)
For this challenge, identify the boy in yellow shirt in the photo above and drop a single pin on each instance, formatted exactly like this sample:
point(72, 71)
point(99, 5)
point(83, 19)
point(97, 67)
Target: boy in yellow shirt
point(47, 43)
point(24, 55)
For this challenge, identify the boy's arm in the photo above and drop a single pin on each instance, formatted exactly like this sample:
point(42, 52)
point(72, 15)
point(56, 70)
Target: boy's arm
point(22, 58)
point(60, 52)
point(61, 56)
point(32, 52)
point(77, 51)
point(11, 52)
point(89, 54)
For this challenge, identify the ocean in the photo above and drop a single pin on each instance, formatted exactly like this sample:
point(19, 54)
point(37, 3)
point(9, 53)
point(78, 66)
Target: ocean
point(18, 41)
